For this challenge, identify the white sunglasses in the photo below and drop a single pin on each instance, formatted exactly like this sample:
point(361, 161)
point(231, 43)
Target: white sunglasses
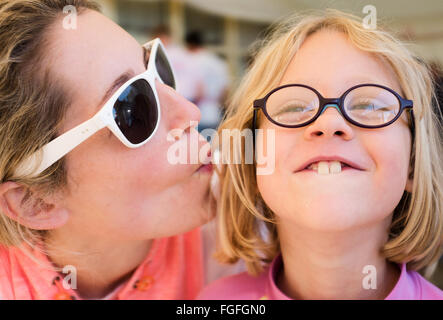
point(132, 114)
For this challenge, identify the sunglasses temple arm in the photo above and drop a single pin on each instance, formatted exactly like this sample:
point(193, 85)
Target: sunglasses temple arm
point(59, 147)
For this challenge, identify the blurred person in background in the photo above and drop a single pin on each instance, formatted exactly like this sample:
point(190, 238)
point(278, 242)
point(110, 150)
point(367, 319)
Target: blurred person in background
point(214, 73)
point(188, 74)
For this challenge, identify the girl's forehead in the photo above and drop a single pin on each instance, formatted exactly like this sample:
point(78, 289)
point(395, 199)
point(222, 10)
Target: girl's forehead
point(331, 63)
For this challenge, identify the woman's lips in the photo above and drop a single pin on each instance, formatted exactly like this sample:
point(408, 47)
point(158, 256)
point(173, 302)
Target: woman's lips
point(206, 165)
point(206, 168)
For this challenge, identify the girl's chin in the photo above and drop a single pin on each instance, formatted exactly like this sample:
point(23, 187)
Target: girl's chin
point(327, 216)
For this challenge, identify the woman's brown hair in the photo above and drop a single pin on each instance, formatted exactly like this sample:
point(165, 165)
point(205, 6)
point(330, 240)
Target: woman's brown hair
point(32, 101)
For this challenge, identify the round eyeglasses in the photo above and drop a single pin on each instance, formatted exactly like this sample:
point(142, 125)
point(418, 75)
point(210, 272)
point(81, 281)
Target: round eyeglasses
point(364, 105)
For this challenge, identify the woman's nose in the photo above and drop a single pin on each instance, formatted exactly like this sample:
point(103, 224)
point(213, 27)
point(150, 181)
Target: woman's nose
point(329, 124)
point(180, 113)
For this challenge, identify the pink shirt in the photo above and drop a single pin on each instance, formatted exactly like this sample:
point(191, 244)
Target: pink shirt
point(410, 286)
point(173, 269)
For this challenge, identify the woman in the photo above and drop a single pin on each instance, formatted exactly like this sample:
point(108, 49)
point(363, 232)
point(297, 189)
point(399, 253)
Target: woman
point(104, 202)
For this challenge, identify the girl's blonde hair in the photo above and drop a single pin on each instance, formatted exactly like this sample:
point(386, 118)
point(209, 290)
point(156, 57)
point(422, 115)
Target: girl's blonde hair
point(416, 230)
point(32, 101)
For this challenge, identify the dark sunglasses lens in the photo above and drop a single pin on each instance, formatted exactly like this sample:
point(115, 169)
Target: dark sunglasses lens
point(136, 112)
point(164, 68)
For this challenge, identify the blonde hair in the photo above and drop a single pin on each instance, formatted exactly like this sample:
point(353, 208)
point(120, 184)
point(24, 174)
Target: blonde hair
point(32, 101)
point(416, 230)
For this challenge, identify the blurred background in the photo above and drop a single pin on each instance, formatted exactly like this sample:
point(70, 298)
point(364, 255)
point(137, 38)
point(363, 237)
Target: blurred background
point(209, 41)
point(230, 26)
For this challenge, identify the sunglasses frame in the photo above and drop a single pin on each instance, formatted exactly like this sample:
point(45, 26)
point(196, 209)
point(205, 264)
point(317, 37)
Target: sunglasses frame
point(65, 143)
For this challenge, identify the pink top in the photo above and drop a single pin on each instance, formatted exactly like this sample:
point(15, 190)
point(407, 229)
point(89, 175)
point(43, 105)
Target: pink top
point(173, 269)
point(410, 286)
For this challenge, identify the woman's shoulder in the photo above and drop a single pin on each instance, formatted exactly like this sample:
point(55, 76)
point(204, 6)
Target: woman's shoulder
point(5, 261)
point(6, 264)
point(242, 286)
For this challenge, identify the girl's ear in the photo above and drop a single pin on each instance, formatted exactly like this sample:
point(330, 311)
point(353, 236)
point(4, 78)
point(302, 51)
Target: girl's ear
point(21, 205)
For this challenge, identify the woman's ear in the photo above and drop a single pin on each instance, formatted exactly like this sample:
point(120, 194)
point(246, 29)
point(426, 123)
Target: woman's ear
point(21, 205)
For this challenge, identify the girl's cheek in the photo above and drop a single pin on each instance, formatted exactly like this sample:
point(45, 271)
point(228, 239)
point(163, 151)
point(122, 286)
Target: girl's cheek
point(285, 149)
point(391, 157)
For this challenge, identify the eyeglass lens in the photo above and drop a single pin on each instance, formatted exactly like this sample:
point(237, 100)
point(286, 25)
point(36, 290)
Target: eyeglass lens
point(367, 105)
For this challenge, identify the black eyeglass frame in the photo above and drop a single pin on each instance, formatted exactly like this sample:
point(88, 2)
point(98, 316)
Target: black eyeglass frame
point(260, 104)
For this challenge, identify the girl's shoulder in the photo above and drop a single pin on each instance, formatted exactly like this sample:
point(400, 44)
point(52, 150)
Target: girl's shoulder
point(242, 286)
point(426, 290)
point(412, 286)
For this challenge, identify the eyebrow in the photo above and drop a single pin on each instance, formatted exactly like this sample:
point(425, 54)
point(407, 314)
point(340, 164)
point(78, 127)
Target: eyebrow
point(122, 79)
point(349, 82)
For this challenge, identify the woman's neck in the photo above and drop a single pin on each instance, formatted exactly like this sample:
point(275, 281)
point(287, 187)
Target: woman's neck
point(331, 265)
point(101, 265)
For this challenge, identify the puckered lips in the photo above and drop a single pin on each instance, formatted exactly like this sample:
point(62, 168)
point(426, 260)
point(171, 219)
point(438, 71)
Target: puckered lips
point(206, 166)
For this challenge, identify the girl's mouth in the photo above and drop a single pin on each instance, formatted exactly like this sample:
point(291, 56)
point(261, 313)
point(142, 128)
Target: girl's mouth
point(325, 165)
point(329, 167)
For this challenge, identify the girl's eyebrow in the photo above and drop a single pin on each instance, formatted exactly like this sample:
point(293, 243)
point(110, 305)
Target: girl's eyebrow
point(347, 83)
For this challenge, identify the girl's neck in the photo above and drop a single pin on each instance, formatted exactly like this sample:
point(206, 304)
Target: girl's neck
point(101, 265)
point(330, 265)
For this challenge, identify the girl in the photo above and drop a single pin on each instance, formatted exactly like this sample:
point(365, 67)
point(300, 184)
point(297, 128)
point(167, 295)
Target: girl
point(354, 205)
point(113, 218)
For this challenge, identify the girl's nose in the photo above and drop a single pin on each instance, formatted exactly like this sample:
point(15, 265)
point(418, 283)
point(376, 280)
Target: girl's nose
point(179, 112)
point(329, 124)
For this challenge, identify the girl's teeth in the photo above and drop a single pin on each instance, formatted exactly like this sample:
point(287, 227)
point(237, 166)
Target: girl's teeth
point(326, 167)
point(313, 166)
point(335, 167)
point(323, 167)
